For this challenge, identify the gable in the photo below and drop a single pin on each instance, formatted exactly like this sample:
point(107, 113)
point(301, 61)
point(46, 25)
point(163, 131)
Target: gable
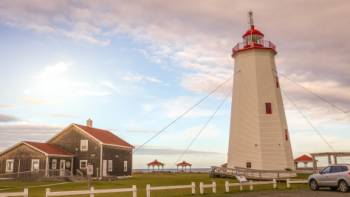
point(23, 150)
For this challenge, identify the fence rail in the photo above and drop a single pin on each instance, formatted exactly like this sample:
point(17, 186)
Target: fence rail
point(289, 182)
point(250, 183)
point(192, 186)
point(24, 193)
point(91, 192)
point(202, 186)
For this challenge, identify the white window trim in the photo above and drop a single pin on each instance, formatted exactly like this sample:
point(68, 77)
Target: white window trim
point(7, 165)
point(54, 164)
point(82, 147)
point(32, 166)
point(110, 166)
point(81, 161)
point(125, 166)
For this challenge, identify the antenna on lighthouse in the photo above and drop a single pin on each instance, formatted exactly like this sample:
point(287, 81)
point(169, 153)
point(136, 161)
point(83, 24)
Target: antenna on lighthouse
point(250, 19)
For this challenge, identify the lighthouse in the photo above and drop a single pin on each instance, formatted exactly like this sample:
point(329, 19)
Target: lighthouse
point(259, 137)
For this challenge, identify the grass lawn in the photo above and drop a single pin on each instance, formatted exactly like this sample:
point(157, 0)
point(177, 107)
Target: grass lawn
point(140, 180)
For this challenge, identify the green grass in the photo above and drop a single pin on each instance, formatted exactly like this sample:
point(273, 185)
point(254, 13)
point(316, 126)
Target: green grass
point(140, 180)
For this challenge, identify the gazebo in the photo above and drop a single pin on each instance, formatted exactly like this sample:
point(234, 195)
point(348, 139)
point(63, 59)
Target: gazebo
point(155, 163)
point(303, 159)
point(183, 165)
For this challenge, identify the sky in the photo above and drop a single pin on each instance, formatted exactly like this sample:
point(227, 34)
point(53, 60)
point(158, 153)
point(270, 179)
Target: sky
point(134, 66)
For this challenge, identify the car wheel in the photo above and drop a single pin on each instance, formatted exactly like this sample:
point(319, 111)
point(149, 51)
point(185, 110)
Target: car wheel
point(343, 186)
point(313, 185)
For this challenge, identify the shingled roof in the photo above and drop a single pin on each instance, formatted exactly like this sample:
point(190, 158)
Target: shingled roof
point(49, 149)
point(105, 136)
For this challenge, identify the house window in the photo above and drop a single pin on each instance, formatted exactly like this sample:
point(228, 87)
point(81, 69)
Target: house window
point(84, 145)
point(35, 165)
point(286, 134)
point(125, 166)
point(277, 83)
point(54, 164)
point(110, 165)
point(268, 108)
point(9, 165)
point(83, 164)
point(249, 164)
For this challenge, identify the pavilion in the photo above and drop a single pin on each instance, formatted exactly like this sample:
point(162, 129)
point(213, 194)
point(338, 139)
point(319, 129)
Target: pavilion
point(155, 163)
point(183, 165)
point(305, 159)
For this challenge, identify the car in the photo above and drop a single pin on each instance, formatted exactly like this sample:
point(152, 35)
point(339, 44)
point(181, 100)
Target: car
point(333, 176)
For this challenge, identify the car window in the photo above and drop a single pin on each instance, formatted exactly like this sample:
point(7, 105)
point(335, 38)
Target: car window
point(326, 170)
point(344, 168)
point(335, 169)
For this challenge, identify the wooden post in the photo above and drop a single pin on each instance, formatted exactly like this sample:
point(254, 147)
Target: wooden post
point(314, 163)
point(47, 193)
point(193, 188)
point(134, 191)
point(329, 159)
point(25, 192)
point(251, 185)
point(201, 189)
point(71, 166)
point(227, 187)
point(92, 192)
point(274, 183)
point(214, 187)
point(288, 183)
point(148, 190)
point(240, 187)
point(335, 159)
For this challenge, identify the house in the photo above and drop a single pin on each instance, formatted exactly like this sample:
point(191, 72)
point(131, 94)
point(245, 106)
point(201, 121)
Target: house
point(69, 153)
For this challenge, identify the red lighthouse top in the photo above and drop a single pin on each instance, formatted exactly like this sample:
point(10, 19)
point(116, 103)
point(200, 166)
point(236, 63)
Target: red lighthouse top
point(253, 39)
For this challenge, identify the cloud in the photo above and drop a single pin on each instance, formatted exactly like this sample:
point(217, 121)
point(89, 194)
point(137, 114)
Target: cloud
point(169, 151)
point(16, 132)
point(8, 118)
point(135, 77)
point(7, 106)
point(59, 82)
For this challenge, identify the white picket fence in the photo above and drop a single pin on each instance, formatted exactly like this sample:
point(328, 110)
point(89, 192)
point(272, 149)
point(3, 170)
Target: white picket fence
point(192, 186)
point(250, 184)
point(91, 192)
point(202, 186)
point(289, 182)
point(24, 193)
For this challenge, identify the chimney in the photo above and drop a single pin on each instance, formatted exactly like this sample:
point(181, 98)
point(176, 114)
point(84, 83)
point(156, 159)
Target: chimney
point(89, 123)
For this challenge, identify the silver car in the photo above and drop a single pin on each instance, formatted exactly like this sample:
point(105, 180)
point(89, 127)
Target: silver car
point(333, 176)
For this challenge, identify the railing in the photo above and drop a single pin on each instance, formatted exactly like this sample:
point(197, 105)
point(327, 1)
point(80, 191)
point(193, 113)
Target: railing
point(91, 192)
point(252, 173)
point(192, 186)
point(24, 193)
point(258, 44)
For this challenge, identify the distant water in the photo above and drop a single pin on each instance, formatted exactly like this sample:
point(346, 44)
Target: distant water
point(201, 170)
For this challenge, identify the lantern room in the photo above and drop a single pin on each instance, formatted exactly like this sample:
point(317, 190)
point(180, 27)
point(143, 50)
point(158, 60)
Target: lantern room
point(253, 38)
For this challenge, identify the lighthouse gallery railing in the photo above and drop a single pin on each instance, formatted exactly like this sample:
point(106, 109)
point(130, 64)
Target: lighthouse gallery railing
point(257, 44)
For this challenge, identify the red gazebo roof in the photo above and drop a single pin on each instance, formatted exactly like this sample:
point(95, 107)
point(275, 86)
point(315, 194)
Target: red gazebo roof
point(303, 158)
point(155, 163)
point(183, 163)
point(252, 31)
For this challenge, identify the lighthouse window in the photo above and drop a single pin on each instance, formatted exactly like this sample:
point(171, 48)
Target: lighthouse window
point(268, 108)
point(249, 164)
point(277, 83)
point(286, 134)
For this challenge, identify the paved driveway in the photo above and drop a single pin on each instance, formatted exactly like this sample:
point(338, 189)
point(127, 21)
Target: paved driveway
point(302, 193)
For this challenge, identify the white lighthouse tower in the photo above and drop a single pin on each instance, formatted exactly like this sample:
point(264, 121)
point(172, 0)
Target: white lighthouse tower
point(259, 136)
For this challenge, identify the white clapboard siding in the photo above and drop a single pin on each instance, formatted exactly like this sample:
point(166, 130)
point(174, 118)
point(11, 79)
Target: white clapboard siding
point(202, 186)
point(149, 188)
point(250, 183)
point(24, 193)
point(289, 182)
point(92, 191)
